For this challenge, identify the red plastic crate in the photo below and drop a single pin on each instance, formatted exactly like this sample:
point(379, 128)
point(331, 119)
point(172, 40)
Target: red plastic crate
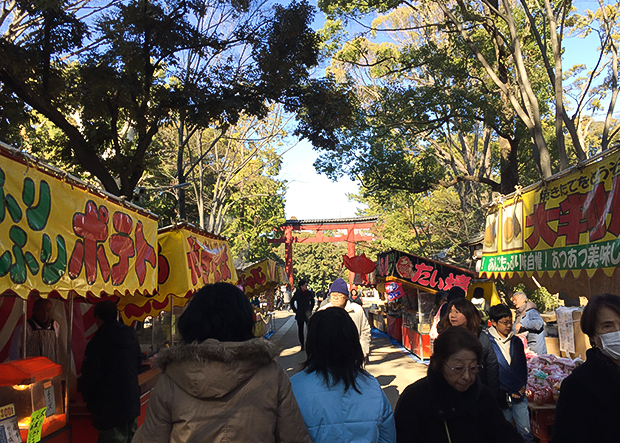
point(541, 421)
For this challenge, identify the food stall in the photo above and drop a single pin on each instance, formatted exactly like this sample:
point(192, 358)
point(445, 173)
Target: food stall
point(189, 258)
point(63, 240)
point(420, 279)
point(562, 234)
point(261, 279)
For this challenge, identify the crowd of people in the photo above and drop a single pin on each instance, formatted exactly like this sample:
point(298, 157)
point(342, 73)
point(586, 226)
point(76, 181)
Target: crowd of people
point(222, 384)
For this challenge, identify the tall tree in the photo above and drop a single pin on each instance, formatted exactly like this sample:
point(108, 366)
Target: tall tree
point(105, 75)
point(433, 224)
point(427, 67)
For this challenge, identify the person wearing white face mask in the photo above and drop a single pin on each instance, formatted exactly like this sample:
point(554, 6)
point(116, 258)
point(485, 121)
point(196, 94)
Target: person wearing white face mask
point(589, 405)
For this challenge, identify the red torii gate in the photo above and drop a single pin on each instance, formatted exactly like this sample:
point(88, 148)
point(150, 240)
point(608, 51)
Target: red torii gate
point(350, 224)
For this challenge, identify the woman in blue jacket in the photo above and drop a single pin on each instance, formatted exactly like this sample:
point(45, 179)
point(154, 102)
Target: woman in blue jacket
point(339, 400)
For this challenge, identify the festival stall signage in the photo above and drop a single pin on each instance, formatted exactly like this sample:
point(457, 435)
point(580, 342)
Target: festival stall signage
point(568, 224)
point(259, 277)
point(57, 234)
point(189, 258)
point(426, 273)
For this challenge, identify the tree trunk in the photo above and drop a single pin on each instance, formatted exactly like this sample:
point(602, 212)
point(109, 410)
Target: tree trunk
point(180, 169)
point(541, 155)
point(509, 175)
point(614, 85)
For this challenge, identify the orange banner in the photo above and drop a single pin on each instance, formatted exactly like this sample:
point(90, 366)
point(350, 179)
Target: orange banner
point(58, 234)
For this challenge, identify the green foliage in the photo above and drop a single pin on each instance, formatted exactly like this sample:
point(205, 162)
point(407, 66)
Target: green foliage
point(111, 77)
point(431, 225)
point(544, 300)
point(319, 263)
point(428, 72)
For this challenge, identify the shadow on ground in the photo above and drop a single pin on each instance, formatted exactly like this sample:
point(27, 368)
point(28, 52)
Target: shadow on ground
point(392, 366)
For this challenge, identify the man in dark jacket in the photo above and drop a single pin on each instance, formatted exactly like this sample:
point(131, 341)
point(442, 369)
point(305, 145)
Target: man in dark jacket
point(302, 304)
point(109, 381)
point(512, 367)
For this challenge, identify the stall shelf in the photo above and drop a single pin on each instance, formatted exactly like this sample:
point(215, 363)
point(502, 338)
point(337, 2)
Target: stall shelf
point(394, 327)
point(31, 384)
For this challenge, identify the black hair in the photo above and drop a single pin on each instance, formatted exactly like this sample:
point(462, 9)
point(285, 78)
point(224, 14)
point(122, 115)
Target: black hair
point(589, 317)
point(439, 296)
point(40, 302)
point(333, 348)
point(451, 341)
point(455, 292)
point(497, 312)
point(220, 311)
point(106, 311)
point(478, 292)
point(302, 282)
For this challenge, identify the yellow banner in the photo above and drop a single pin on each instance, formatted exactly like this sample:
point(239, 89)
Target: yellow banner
point(260, 277)
point(570, 223)
point(55, 235)
point(139, 307)
point(190, 258)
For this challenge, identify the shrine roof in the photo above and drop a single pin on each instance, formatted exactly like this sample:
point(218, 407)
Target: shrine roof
point(370, 218)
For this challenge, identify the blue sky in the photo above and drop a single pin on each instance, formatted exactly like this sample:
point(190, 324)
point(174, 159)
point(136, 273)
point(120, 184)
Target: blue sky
point(314, 196)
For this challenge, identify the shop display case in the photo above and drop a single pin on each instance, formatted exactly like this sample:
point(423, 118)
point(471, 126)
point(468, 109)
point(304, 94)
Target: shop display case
point(417, 322)
point(32, 384)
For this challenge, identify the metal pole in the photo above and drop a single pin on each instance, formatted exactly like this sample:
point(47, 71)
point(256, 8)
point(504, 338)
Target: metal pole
point(171, 320)
point(69, 351)
point(24, 325)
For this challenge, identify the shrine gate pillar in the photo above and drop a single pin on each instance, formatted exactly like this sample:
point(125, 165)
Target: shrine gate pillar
point(351, 250)
point(288, 253)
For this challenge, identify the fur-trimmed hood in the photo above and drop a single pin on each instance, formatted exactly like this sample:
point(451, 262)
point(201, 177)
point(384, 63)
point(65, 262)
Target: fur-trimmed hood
point(212, 369)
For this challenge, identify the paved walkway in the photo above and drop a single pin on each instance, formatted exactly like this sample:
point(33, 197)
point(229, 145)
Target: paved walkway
point(394, 367)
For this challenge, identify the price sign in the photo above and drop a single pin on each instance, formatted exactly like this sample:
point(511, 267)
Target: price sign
point(50, 399)
point(9, 431)
point(36, 425)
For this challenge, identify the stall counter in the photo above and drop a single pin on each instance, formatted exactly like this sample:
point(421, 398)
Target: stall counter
point(377, 320)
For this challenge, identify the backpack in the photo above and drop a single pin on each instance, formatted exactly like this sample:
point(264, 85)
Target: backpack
point(483, 307)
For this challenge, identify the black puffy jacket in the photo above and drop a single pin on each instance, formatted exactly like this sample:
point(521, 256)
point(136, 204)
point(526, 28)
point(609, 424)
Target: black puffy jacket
point(430, 408)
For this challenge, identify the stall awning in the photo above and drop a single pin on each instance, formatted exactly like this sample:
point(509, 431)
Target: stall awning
point(564, 232)
point(59, 234)
point(190, 258)
point(423, 272)
point(260, 276)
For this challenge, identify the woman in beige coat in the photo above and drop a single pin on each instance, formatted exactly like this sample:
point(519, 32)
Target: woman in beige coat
point(221, 384)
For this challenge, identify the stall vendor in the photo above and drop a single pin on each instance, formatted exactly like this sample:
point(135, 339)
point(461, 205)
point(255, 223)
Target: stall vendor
point(42, 333)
